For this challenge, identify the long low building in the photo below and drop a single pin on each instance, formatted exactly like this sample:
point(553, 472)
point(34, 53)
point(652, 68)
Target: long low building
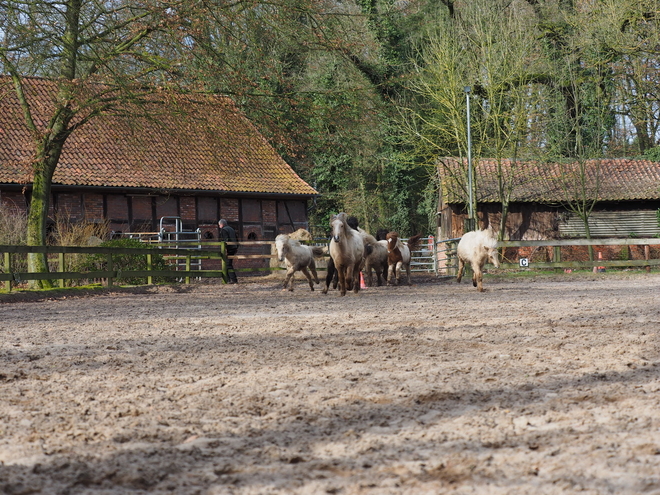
point(194, 157)
point(624, 193)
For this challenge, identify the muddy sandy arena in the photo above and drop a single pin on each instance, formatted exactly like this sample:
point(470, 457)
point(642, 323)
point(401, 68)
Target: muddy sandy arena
point(544, 385)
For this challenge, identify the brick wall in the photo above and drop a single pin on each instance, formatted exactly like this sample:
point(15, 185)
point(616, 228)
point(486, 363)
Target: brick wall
point(269, 212)
point(187, 209)
point(93, 207)
point(11, 199)
point(70, 206)
point(142, 208)
point(167, 206)
point(229, 209)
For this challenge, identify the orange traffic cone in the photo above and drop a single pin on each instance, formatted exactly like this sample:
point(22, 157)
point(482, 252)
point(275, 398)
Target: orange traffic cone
point(362, 284)
point(599, 268)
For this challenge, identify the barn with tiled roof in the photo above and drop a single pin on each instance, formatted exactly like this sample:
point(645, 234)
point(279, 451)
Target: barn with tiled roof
point(196, 157)
point(626, 194)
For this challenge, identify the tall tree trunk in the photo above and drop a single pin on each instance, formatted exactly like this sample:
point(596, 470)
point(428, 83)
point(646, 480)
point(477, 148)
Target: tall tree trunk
point(503, 218)
point(43, 169)
point(644, 141)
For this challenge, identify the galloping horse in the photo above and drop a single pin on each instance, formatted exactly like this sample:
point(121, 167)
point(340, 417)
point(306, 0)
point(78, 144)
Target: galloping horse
point(332, 277)
point(347, 252)
point(298, 257)
point(375, 259)
point(399, 255)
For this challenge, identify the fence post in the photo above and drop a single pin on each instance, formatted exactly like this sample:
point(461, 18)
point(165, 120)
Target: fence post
point(187, 279)
point(150, 279)
point(556, 256)
point(111, 268)
point(647, 256)
point(8, 270)
point(451, 263)
point(223, 253)
point(61, 268)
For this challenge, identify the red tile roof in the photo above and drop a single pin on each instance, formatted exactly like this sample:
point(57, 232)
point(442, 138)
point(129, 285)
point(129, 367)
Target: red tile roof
point(190, 142)
point(607, 180)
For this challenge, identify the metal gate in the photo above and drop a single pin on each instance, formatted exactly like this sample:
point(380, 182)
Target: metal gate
point(172, 235)
point(435, 257)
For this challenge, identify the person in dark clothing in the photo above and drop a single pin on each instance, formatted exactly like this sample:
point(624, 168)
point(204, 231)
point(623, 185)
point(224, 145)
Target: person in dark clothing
point(228, 234)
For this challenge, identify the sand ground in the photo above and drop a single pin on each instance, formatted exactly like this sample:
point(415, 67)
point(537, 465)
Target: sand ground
point(544, 385)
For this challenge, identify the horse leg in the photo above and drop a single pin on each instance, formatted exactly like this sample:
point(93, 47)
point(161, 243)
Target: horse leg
point(390, 274)
point(398, 272)
point(309, 277)
point(477, 277)
point(461, 267)
point(312, 268)
point(331, 272)
point(356, 278)
point(408, 273)
point(350, 279)
point(289, 277)
point(341, 271)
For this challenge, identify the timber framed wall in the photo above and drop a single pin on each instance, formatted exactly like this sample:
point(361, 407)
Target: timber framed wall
point(253, 218)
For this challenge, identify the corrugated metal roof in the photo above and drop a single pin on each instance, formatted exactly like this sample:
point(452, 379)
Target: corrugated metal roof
point(552, 183)
point(172, 141)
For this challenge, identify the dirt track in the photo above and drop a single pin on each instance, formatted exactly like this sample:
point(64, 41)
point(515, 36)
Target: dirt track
point(533, 387)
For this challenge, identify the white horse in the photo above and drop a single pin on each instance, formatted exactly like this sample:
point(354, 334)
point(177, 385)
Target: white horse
point(347, 252)
point(298, 257)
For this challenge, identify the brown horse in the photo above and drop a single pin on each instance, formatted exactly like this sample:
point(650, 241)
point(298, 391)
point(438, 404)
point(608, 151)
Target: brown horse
point(375, 259)
point(399, 256)
point(347, 252)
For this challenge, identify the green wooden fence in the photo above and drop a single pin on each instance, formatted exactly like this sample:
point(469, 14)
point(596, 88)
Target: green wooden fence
point(183, 259)
point(449, 265)
point(557, 244)
point(10, 276)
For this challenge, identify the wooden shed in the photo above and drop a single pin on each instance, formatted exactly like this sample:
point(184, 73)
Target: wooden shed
point(625, 195)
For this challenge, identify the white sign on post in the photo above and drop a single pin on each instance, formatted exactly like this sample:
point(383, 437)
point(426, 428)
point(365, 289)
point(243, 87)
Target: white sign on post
point(524, 262)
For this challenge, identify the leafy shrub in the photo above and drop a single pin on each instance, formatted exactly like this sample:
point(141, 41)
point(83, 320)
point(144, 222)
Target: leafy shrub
point(653, 154)
point(125, 262)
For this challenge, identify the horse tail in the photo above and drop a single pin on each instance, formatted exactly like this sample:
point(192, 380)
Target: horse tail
point(317, 251)
point(414, 242)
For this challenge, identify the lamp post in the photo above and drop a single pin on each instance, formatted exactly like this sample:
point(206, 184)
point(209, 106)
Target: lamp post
point(469, 154)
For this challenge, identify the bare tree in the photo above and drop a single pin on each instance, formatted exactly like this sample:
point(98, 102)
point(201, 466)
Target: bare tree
point(97, 52)
point(490, 47)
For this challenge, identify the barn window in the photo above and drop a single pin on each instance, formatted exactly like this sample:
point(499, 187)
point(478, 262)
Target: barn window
point(207, 210)
point(117, 208)
point(167, 206)
point(251, 209)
